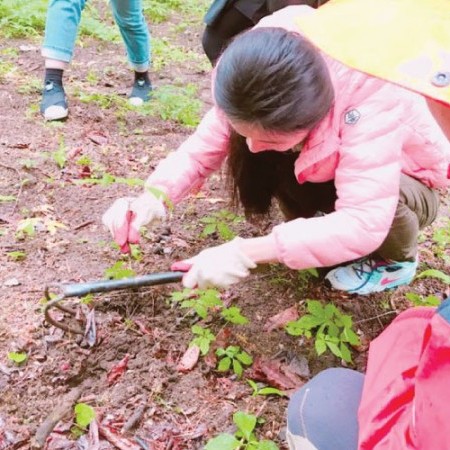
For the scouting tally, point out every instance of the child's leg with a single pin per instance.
(134, 30)
(417, 208)
(63, 18)
(323, 414)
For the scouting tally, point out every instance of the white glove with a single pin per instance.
(219, 266)
(127, 215)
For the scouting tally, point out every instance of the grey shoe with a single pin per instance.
(54, 102)
(141, 92)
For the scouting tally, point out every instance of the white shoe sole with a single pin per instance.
(55, 113)
(136, 101)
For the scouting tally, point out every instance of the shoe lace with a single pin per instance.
(365, 268)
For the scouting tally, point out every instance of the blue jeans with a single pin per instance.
(63, 19)
(323, 414)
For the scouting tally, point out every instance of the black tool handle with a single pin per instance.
(81, 289)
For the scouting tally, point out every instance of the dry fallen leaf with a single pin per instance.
(189, 359)
(117, 370)
(281, 319)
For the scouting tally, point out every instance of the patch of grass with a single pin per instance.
(164, 53)
(32, 85)
(101, 28)
(104, 101)
(27, 19)
(158, 11)
(5, 69)
(179, 104)
(22, 19)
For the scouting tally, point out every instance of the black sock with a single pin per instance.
(142, 76)
(54, 75)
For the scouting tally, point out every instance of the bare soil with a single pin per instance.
(172, 409)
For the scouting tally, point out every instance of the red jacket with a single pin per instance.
(406, 397)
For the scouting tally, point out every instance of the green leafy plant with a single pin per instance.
(177, 103)
(84, 160)
(27, 227)
(243, 439)
(203, 338)
(84, 415)
(7, 198)
(60, 155)
(220, 222)
(264, 390)
(419, 300)
(434, 273)
(17, 357)
(234, 358)
(441, 240)
(201, 301)
(119, 271)
(233, 315)
(16, 255)
(331, 328)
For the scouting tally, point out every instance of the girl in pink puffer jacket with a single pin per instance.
(318, 137)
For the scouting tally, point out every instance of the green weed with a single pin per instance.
(244, 438)
(220, 222)
(17, 357)
(119, 271)
(331, 328)
(7, 198)
(419, 300)
(233, 358)
(17, 255)
(200, 301)
(180, 104)
(233, 315)
(434, 273)
(159, 11)
(264, 390)
(203, 338)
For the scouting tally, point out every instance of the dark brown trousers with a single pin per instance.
(417, 208)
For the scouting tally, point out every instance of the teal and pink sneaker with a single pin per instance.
(369, 275)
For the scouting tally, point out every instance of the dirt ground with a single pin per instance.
(171, 409)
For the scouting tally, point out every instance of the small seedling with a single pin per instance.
(264, 390)
(203, 338)
(84, 415)
(419, 300)
(201, 301)
(434, 273)
(17, 357)
(60, 155)
(27, 227)
(233, 357)
(332, 329)
(118, 271)
(17, 255)
(244, 438)
(87, 299)
(220, 222)
(84, 160)
(7, 198)
(233, 315)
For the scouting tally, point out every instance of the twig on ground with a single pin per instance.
(120, 442)
(388, 313)
(55, 416)
(134, 419)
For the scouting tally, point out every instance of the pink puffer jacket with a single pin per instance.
(374, 132)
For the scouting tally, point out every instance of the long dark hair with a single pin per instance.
(277, 80)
